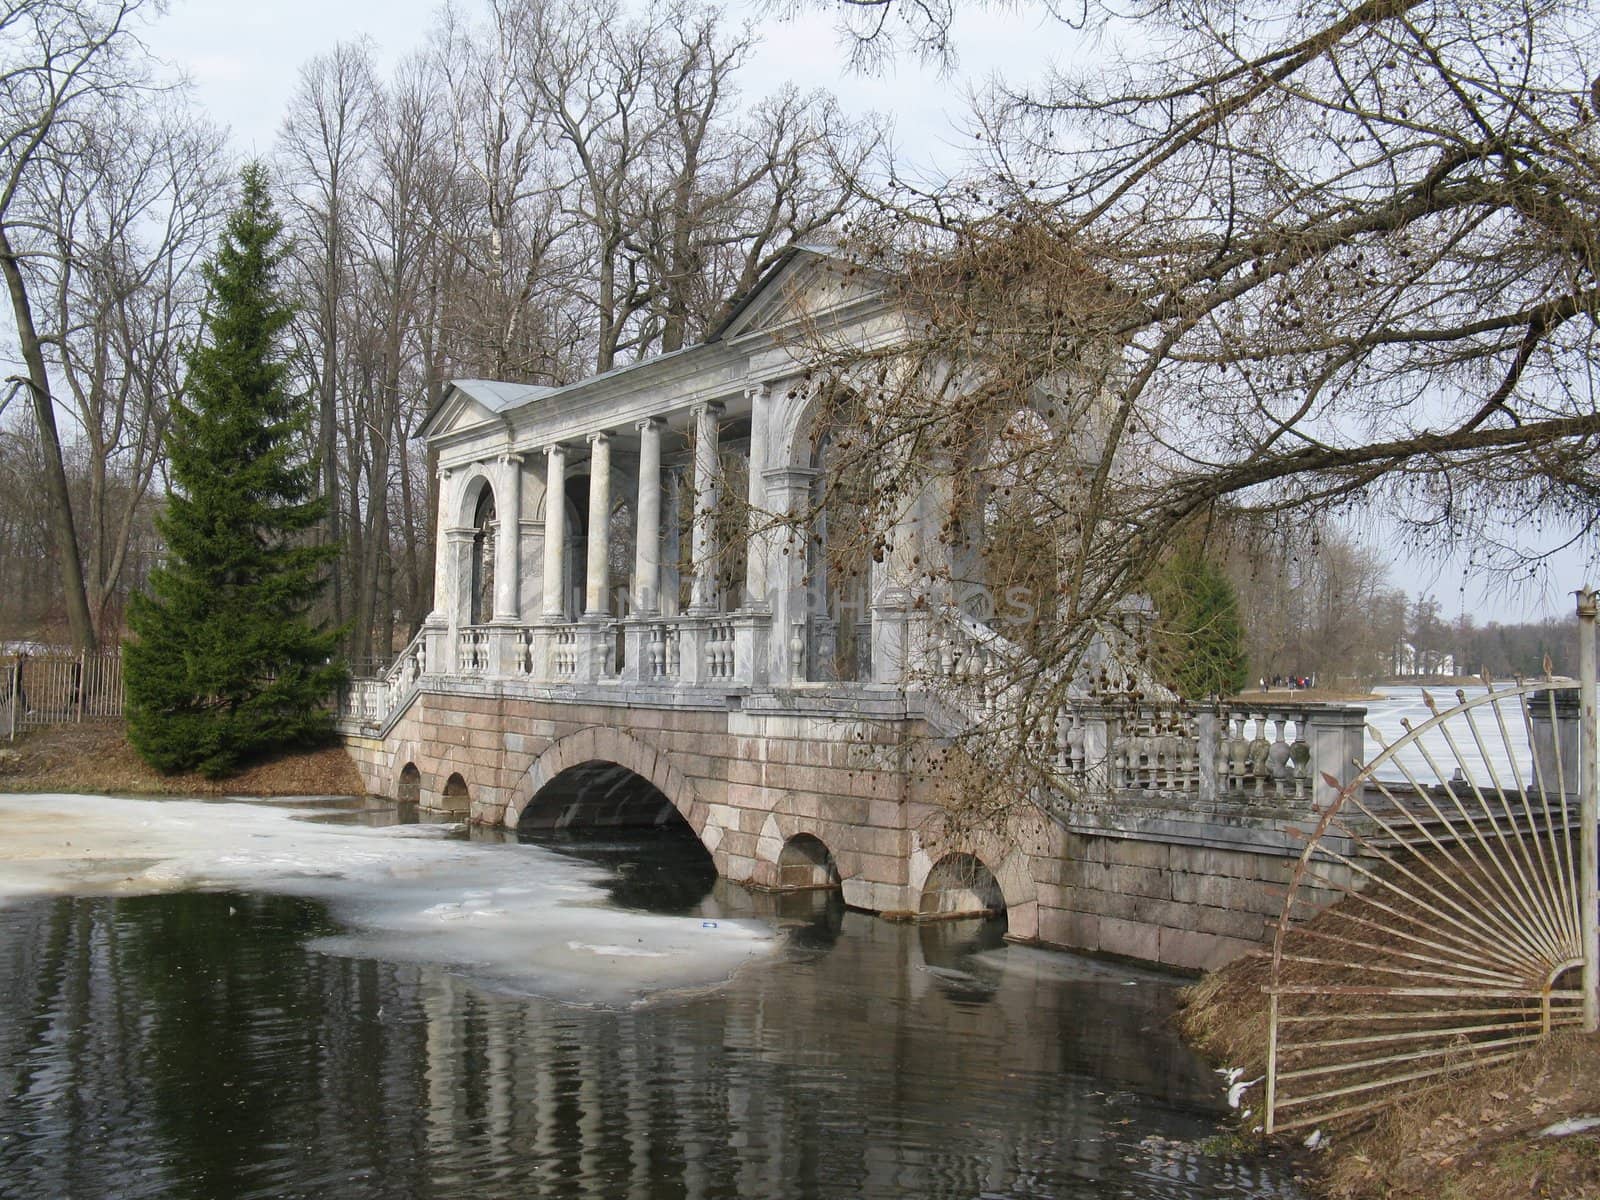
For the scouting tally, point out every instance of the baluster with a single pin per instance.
(1260, 751)
(1278, 758)
(1238, 751)
(1300, 758)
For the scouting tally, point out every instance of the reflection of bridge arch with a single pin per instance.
(603, 758)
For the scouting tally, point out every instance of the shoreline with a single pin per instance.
(95, 757)
(1476, 1136)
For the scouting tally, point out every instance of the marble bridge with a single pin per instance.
(602, 650)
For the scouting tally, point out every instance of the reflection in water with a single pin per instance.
(949, 954)
(190, 1046)
(372, 811)
(662, 869)
(811, 920)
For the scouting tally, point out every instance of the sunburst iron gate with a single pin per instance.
(1466, 930)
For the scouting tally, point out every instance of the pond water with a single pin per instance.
(212, 1001)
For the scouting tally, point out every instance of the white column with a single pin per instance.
(444, 588)
(596, 597)
(508, 542)
(555, 529)
(755, 564)
(647, 522)
(703, 546)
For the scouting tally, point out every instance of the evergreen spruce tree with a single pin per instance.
(225, 663)
(1201, 633)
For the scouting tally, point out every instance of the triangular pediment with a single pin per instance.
(457, 410)
(804, 285)
(472, 402)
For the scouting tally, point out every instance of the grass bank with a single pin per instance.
(1475, 1137)
(97, 758)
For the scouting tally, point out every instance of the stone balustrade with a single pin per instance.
(1261, 756)
(691, 651)
(720, 652)
(1196, 757)
(662, 655)
(1267, 758)
(472, 650)
(1229, 752)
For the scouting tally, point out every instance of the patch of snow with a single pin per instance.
(1570, 1126)
(512, 917)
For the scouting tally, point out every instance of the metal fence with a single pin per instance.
(58, 689)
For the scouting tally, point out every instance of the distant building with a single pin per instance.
(1408, 660)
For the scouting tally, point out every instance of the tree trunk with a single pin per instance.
(61, 524)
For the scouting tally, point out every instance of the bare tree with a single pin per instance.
(500, 209)
(59, 61)
(728, 196)
(592, 90)
(134, 198)
(321, 147)
(1289, 263)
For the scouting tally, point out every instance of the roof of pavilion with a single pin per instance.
(499, 397)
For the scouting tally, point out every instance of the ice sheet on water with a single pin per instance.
(1498, 756)
(514, 917)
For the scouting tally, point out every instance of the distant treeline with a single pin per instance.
(1507, 650)
(1315, 602)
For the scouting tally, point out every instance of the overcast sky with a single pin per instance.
(243, 60)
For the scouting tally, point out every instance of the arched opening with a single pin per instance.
(409, 788)
(483, 554)
(576, 559)
(806, 864)
(604, 813)
(456, 798)
(838, 569)
(1009, 517)
(960, 885)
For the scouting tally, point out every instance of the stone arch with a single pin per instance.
(401, 755)
(790, 419)
(793, 421)
(473, 484)
(837, 619)
(1009, 852)
(806, 863)
(602, 743)
(456, 796)
(437, 767)
(408, 784)
(959, 884)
